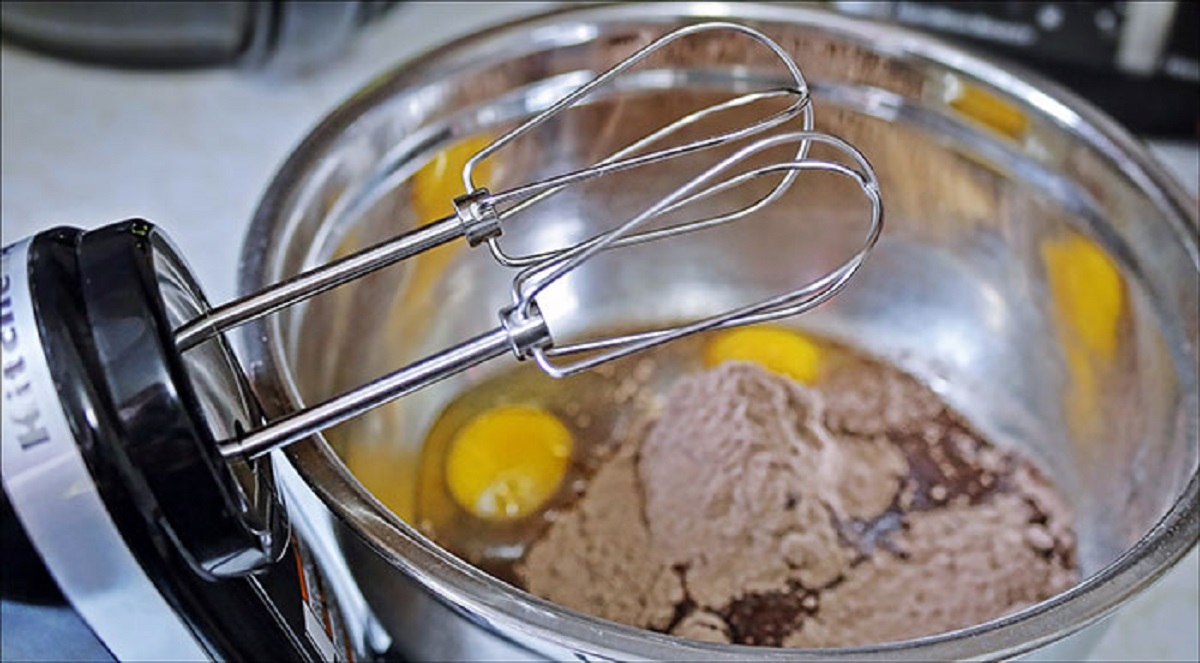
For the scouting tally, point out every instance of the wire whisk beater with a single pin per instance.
(771, 141)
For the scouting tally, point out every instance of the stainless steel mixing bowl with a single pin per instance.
(987, 176)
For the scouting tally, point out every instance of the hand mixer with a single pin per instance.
(116, 374)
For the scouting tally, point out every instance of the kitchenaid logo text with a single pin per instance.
(20, 406)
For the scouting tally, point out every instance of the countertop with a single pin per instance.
(193, 151)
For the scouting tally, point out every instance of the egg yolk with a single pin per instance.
(439, 182)
(1088, 295)
(778, 350)
(1087, 291)
(507, 462)
(990, 110)
(434, 188)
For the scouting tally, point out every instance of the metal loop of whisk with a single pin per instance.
(481, 215)
(800, 105)
(532, 281)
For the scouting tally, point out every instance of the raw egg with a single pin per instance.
(434, 188)
(778, 350)
(507, 462)
(1087, 291)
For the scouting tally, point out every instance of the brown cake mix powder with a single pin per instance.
(755, 510)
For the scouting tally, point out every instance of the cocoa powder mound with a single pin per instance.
(755, 510)
(598, 558)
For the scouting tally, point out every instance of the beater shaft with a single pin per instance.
(373, 394)
(316, 281)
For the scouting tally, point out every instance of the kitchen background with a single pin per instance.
(193, 149)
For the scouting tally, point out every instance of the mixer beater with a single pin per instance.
(481, 215)
(113, 355)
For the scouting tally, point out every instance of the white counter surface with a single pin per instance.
(193, 152)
